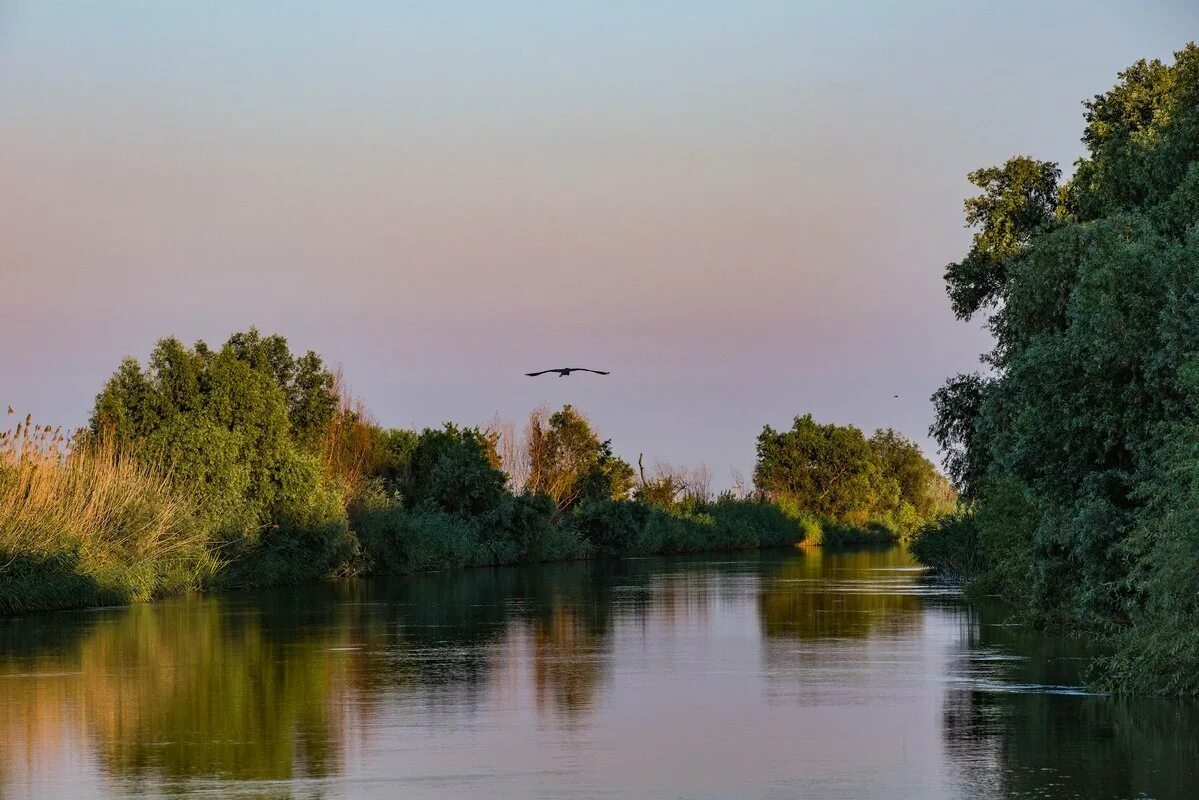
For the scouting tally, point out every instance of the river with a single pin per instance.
(785, 674)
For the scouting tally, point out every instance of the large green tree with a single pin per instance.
(826, 469)
(1092, 292)
(240, 427)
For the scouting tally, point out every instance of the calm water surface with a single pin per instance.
(773, 675)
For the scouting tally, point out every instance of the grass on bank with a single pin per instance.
(91, 524)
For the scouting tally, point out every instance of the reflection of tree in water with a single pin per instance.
(571, 610)
(272, 685)
(832, 595)
(248, 696)
(568, 658)
(194, 688)
(567, 611)
(435, 635)
(1005, 727)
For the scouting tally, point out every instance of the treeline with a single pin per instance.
(248, 465)
(1078, 449)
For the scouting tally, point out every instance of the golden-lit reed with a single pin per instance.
(97, 511)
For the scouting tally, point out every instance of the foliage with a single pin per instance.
(836, 473)
(568, 462)
(451, 469)
(1018, 200)
(612, 527)
(1074, 446)
(241, 428)
(670, 486)
(633, 527)
(951, 547)
(400, 540)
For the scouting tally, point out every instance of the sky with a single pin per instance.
(741, 209)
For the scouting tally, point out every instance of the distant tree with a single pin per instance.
(670, 485)
(922, 493)
(825, 469)
(568, 462)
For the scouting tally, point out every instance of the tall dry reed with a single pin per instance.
(83, 516)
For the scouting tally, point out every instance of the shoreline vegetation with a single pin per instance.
(1076, 450)
(248, 466)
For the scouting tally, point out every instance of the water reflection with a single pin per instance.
(1015, 719)
(813, 674)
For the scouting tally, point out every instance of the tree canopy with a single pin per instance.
(1092, 292)
(568, 462)
(240, 426)
(836, 472)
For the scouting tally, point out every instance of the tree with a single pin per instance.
(240, 426)
(670, 485)
(1018, 200)
(1094, 301)
(825, 469)
(568, 462)
(451, 469)
(921, 489)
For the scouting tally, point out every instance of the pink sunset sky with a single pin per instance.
(741, 209)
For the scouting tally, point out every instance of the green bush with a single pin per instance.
(239, 429)
(451, 470)
(397, 540)
(950, 547)
(610, 527)
(519, 528)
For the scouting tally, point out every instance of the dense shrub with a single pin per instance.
(398, 540)
(519, 528)
(451, 470)
(951, 547)
(611, 527)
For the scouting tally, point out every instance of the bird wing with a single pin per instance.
(584, 369)
(535, 374)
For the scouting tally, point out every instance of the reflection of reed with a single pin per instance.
(186, 690)
(40, 721)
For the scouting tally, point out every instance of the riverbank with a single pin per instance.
(249, 465)
(150, 545)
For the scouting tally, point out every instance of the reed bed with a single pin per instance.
(85, 522)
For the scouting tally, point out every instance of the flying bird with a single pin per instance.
(564, 371)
